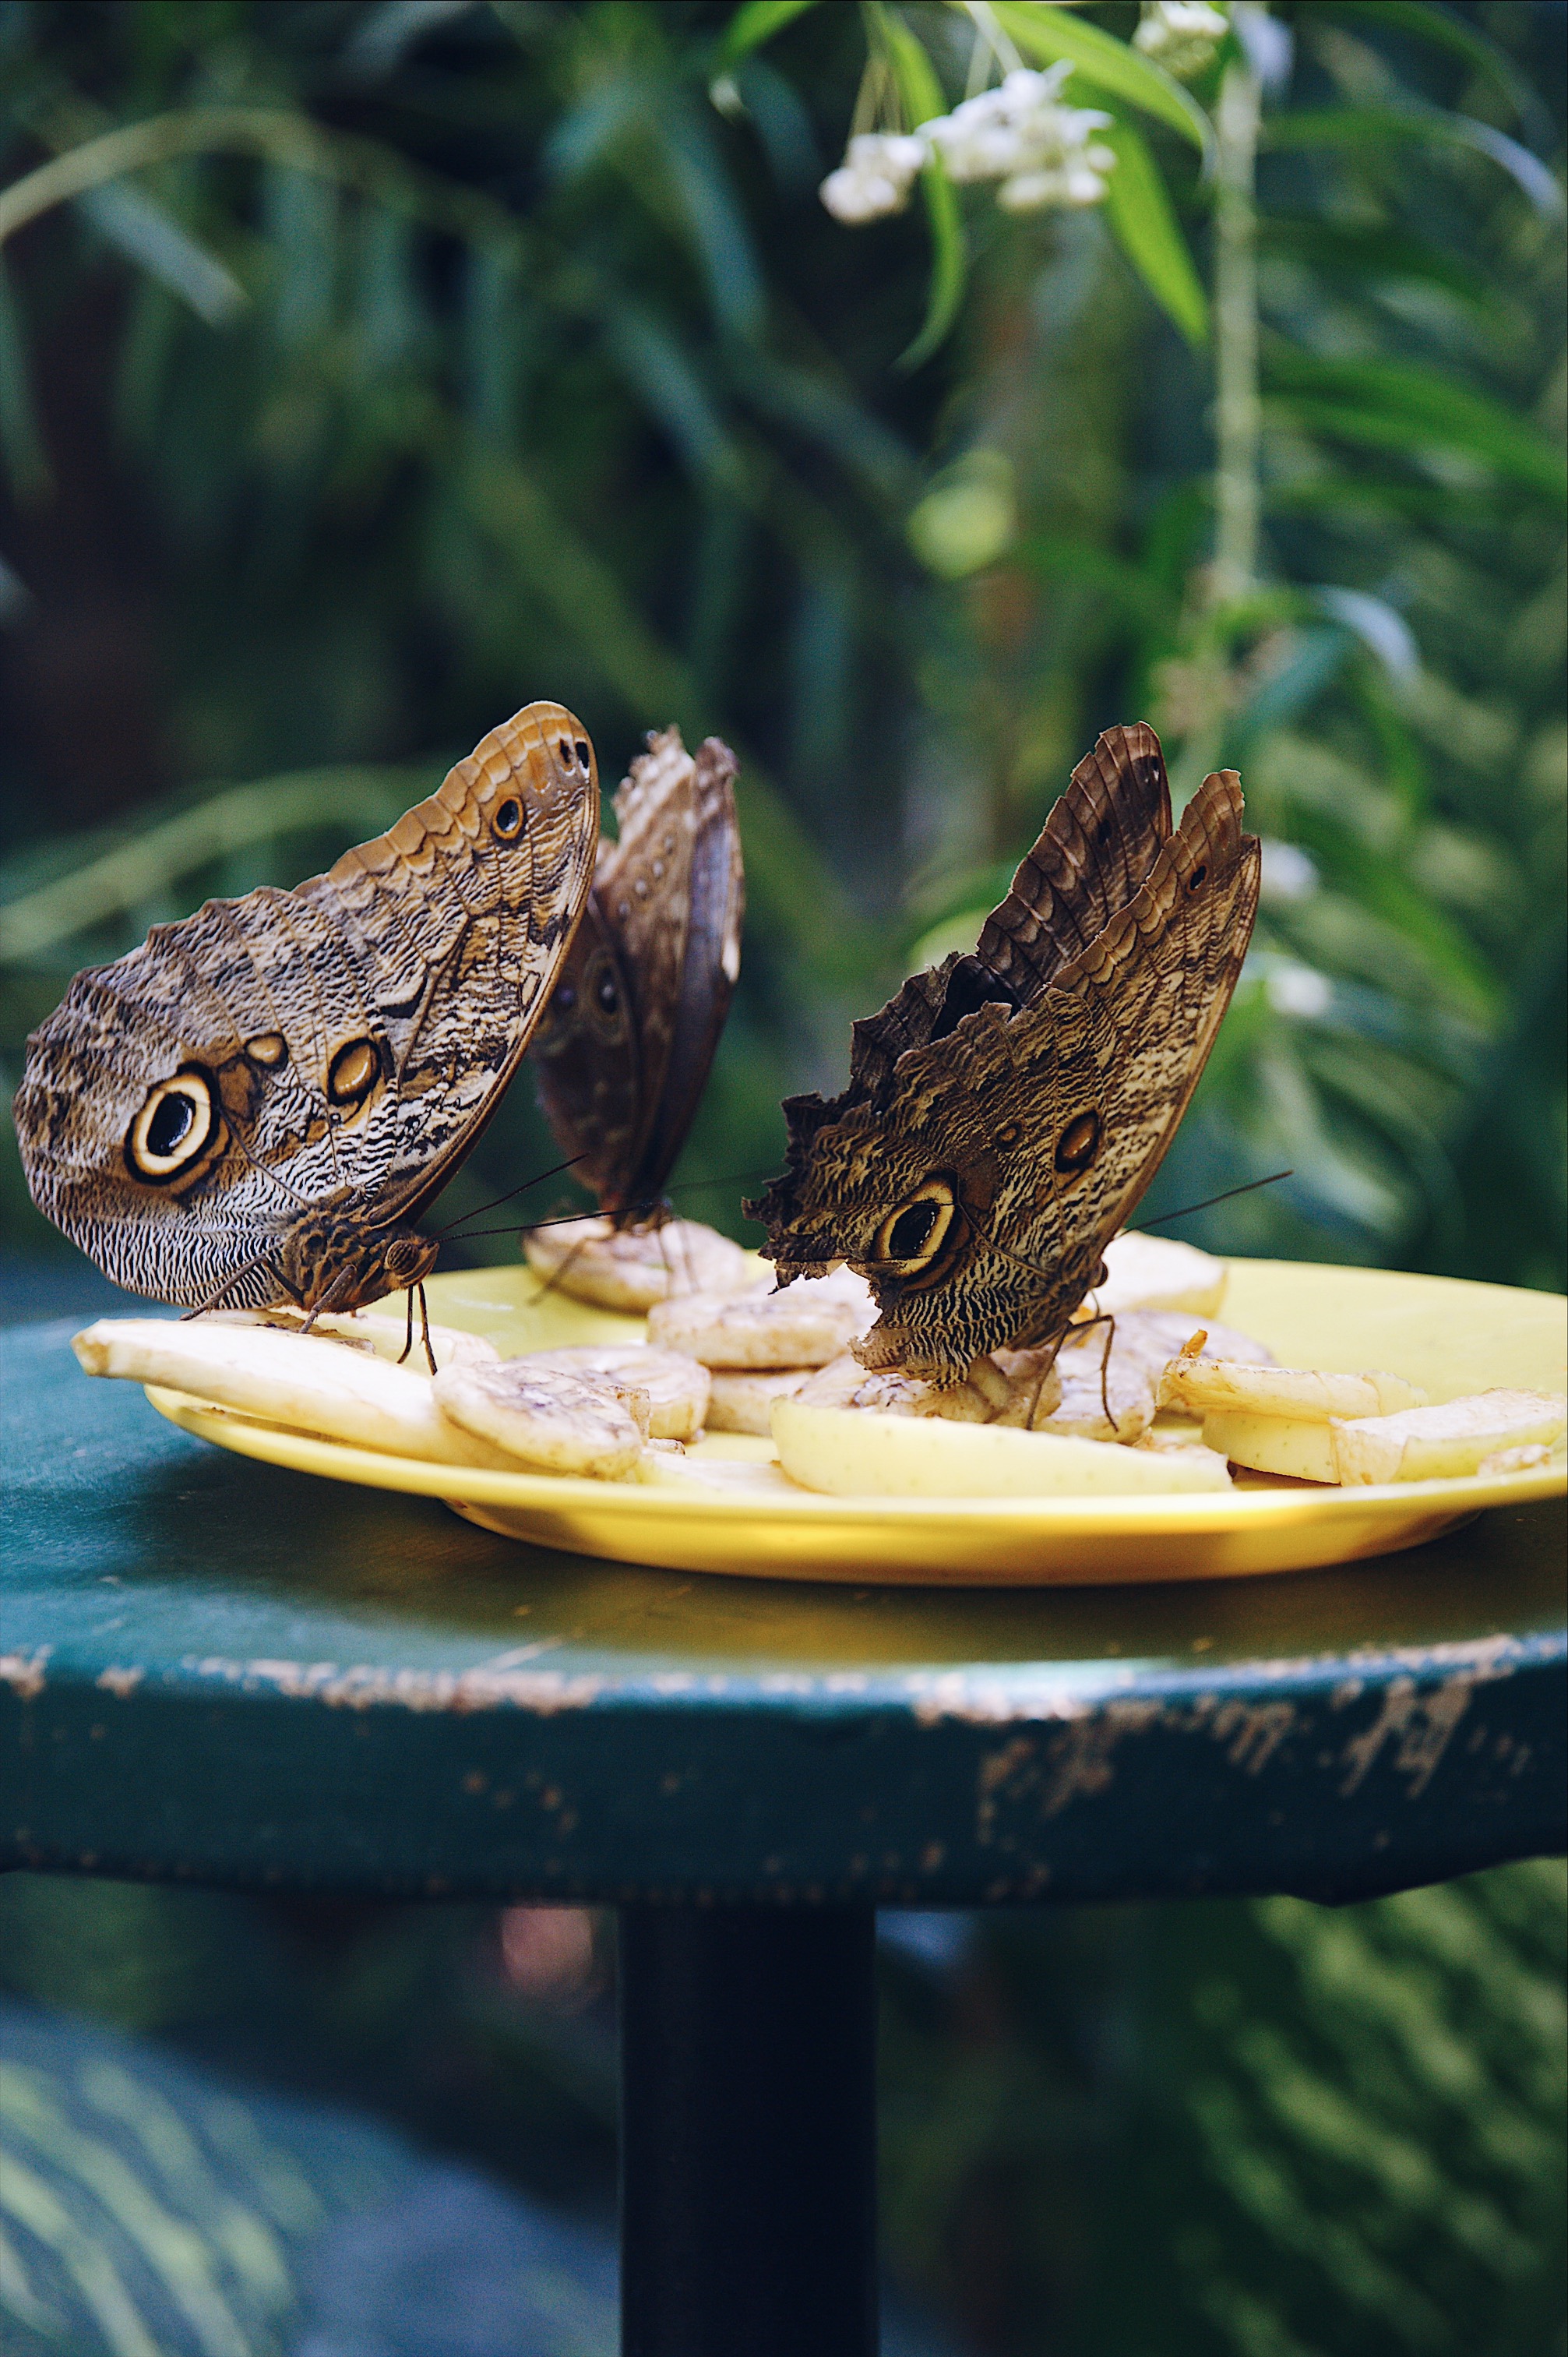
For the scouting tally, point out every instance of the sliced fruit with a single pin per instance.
(310, 1384)
(559, 1421)
(1204, 1386)
(849, 1454)
(1431, 1444)
(1145, 1272)
(632, 1268)
(677, 1386)
(1299, 1446)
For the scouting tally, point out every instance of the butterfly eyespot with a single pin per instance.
(268, 1048)
(173, 1127)
(568, 760)
(1199, 877)
(565, 998)
(911, 1237)
(1008, 1133)
(583, 757)
(606, 996)
(352, 1070)
(507, 822)
(1078, 1143)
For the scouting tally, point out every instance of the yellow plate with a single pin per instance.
(1449, 1336)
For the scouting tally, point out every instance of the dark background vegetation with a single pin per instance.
(426, 358)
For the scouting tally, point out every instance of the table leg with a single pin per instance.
(748, 2131)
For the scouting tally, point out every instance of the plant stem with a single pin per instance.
(1236, 409)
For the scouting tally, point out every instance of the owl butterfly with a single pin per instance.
(254, 1106)
(1007, 1109)
(625, 1045)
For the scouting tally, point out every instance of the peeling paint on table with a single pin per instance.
(217, 1670)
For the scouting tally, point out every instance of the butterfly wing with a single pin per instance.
(1095, 849)
(976, 1188)
(622, 1063)
(587, 1056)
(343, 1042)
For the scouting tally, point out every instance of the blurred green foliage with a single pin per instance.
(367, 367)
(1216, 2129)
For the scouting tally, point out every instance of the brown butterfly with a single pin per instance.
(254, 1106)
(624, 1050)
(1007, 1109)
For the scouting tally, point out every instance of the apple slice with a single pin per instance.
(852, 1454)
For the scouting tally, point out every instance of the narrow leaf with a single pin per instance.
(1445, 29)
(1143, 222)
(923, 98)
(1374, 126)
(1049, 33)
(147, 233)
(752, 24)
(1390, 404)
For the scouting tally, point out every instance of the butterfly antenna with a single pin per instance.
(1164, 1218)
(479, 1210)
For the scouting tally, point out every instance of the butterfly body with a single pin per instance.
(624, 1050)
(1007, 1109)
(255, 1106)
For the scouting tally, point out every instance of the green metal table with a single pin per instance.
(215, 1671)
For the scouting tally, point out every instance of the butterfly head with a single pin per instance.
(334, 1256)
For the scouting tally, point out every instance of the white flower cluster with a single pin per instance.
(1181, 35)
(875, 176)
(1021, 135)
(1042, 152)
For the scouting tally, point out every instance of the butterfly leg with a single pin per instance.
(408, 1331)
(556, 1276)
(1105, 1372)
(424, 1327)
(341, 1287)
(227, 1288)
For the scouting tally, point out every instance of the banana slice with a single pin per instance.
(1153, 1337)
(1144, 1272)
(381, 1337)
(742, 1402)
(1091, 1379)
(632, 1269)
(850, 1453)
(1009, 1387)
(1204, 1386)
(677, 1386)
(554, 1420)
(721, 1477)
(306, 1382)
(1428, 1444)
(805, 1325)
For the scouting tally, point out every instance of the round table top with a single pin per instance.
(217, 1670)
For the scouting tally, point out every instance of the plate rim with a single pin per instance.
(1194, 1511)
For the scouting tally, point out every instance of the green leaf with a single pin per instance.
(923, 97)
(1354, 252)
(1142, 219)
(148, 234)
(752, 24)
(1374, 126)
(1445, 31)
(1049, 33)
(1390, 404)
